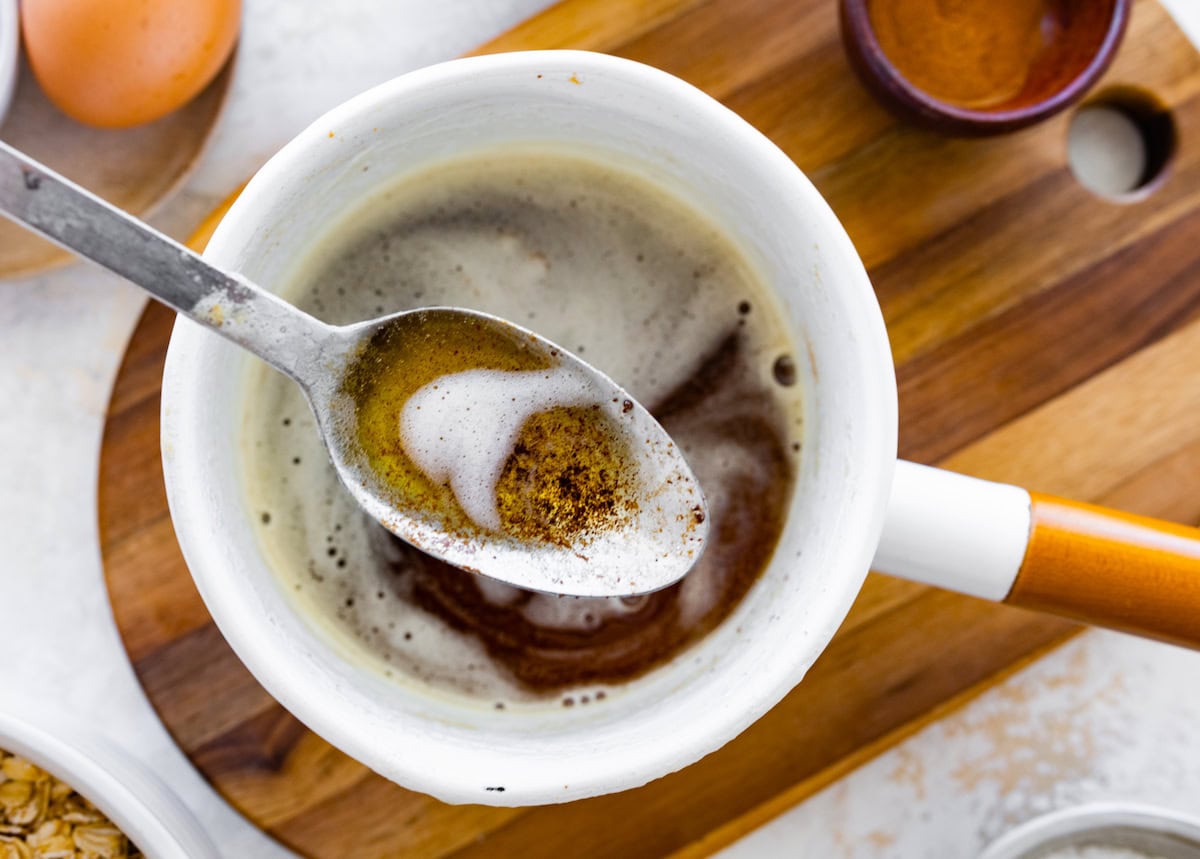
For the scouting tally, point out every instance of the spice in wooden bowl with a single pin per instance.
(973, 67)
(972, 54)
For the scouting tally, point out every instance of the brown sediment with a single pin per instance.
(717, 409)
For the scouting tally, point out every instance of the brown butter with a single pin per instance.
(570, 473)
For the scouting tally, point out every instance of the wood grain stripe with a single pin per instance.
(986, 264)
(274, 748)
(202, 684)
(586, 25)
(694, 46)
(805, 106)
(380, 819)
(1014, 361)
(159, 602)
(1104, 431)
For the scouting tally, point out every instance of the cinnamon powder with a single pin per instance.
(970, 53)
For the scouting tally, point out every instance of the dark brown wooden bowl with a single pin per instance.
(1090, 32)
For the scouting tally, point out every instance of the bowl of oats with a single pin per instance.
(82, 799)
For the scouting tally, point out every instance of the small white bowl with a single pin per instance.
(1139, 828)
(132, 797)
(10, 44)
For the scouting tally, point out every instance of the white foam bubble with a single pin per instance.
(461, 428)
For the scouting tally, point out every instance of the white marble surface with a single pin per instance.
(1108, 716)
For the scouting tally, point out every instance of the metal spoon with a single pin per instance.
(649, 550)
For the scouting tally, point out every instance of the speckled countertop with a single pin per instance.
(1105, 717)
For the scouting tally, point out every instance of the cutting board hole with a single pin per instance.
(1120, 144)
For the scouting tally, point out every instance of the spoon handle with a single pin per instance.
(41, 200)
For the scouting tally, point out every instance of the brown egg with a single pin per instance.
(117, 63)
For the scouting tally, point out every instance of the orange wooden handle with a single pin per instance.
(1112, 569)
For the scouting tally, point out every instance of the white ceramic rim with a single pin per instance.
(1097, 816)
(436, 764)
(10, 48)
(138, 803)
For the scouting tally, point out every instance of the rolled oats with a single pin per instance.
(42, 817)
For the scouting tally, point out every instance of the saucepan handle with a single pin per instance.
(1003, 543)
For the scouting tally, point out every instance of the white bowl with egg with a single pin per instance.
(10, 48)
(128, 794)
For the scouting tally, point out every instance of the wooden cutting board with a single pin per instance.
(1042, 335)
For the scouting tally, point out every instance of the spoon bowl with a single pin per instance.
(647, 542)
(642, 550)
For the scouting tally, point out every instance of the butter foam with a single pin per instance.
(461, 428)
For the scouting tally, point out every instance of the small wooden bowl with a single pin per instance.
(1090, 33)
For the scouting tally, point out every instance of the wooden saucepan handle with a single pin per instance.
(1112, 569)
(1006, 544)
